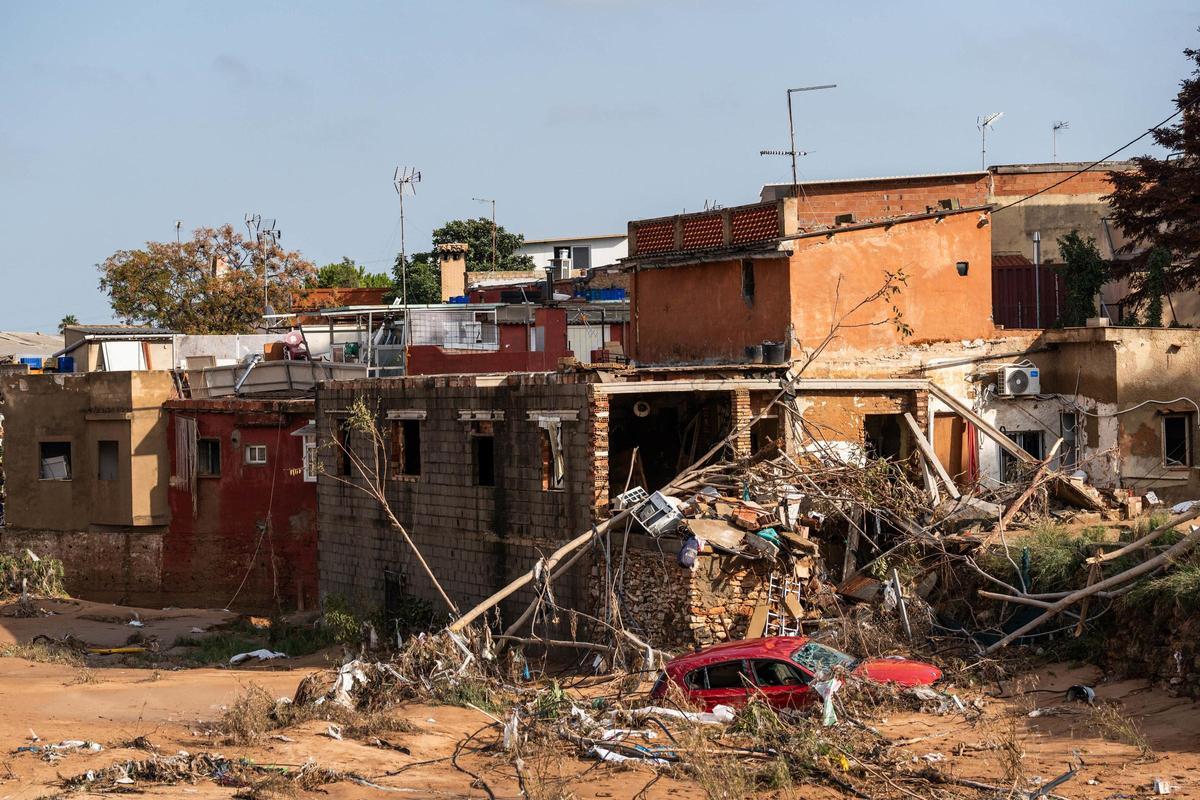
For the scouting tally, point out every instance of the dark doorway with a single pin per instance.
(883, 436)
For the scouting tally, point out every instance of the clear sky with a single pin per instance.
(118, 118)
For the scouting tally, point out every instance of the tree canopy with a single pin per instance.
(1157, 204)
(69, 319)
(424, 279)
(346, 274)
(1084, 271)
(477, 235)
(212, 283)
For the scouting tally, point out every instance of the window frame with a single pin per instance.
(1069, 457)
(249, 449)
(403, 452)
(70, 459)
(308, 458)
(208, 441)
(1188, 460)
(480, 430)
(748, 281)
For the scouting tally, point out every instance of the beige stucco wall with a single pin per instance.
(85, 409)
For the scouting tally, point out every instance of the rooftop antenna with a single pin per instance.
(405, 179)
(792, 140)
(983, 123)
(178, 225)
(493, 202)
(261, 231)
(1061, 125)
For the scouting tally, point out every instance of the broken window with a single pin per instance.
(748, 281)
(483, 453)
(345, 464)
(554, 467)
(55, 460)
(1177, 440)
(208, 457)
(256, 454)
(405, 450)
(107, 459)
(1068, 422)
(1030, 442)
(728, 675)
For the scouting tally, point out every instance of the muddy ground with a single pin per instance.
(174, 709)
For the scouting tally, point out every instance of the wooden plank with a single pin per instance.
(930, 456)
(758, 621)
(1006, 444)
(1034, 483)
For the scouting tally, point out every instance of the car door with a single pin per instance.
(782, 683)
(724, 683)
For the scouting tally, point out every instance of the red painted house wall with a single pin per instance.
(514, 354)
(208, 552)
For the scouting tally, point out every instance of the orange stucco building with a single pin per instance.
(712, 288)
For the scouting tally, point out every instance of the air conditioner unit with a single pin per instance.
(1016, 381)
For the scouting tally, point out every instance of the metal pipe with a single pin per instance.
(1037, 276)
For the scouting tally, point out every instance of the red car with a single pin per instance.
(781, 668)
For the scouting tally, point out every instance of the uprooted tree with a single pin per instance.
(210, 284)
(1157, 204)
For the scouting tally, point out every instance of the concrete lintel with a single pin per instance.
(802, 385)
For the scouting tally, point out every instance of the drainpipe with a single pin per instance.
(1037, 277)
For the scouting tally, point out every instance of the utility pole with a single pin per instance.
(493, 202)
(1054, 129)
(261, 230)
(178, 225)
(1037, 278)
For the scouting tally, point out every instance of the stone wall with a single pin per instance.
(105, 566)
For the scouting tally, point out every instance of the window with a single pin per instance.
(256, 454)
(311, 464)
(768, 672)
(554, 466)
(819, 659)
(107, 454)
(345, 465)
(581, 258)
(1068, 423)
(55, 461)
(1177, 440)
(1030, 442)
(405, 451)
(748, 281)
(483, 453)
(729, 675)
(208, 457)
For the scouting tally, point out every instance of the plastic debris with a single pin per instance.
(1082, 694)
(334, 731)
(720, 715)
(1161, 786)
(827, 689)
(261, 655)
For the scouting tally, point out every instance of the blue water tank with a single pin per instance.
(66, 363)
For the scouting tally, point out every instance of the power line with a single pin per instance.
(1129, 144)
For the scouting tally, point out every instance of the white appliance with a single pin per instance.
(1018, 381)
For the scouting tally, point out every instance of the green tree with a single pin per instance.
(212, 283)
(1155, 285)
(346, 274)
(424, 280)
(477, 235)
(1084, 271)
(1157, 204)
(69, 319)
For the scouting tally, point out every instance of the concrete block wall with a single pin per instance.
(475, 538)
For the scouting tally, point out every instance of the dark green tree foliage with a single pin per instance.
(1158, 203)
(424, 280)
(477, 235)
(69, 319)
(1156, 271)
(345, 274)
(1084, 272)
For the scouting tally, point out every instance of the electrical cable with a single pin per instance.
(1100, 160)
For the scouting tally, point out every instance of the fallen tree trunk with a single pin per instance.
(1034, 483)
(1179, 548)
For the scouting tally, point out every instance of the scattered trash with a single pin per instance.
(334, 731)
(261, 655)
(1082, 694)
(1161, 786)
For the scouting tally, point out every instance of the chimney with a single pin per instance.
(452, 258)
(549, 300)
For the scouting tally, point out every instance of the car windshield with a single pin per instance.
(819, 659)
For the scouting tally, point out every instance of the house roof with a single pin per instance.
(119, 330)
(20, 343)
(1010, 260)
(576, 238)
(913, 177)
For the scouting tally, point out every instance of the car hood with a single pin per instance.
(902, 671)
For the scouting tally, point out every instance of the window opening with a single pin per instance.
(107, 459)
(1177, 440)
(405, 451)
(483, 453)
(208, 457)
(55, 461)
(748, 281)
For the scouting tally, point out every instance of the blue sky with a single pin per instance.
(118, 118)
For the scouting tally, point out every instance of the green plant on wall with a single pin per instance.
(1156, 286)
(1084, 271)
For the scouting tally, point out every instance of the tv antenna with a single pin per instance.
(793, 152)
(493, 202)
(983, 123)
(405, 179)
(261, 231)
(1061, 125)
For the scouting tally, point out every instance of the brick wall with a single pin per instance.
(105, 566)
(475, 538)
